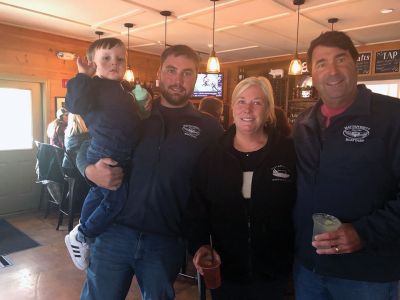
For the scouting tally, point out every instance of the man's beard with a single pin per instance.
(173, 99)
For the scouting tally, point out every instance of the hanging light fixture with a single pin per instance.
(213, 62)
(129, 76)
(166, 14)
(99, 33)
(295, 64)
(332, 21)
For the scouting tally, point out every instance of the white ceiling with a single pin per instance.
(245, 29)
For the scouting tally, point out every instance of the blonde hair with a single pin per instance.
(267, 91)
(75, 126)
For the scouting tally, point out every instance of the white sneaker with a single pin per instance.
(78, 251)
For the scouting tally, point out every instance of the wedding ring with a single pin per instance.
(337, 249)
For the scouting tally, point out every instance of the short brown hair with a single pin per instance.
(181, 50)
(332, 39)
(106, 43)
(211, 105)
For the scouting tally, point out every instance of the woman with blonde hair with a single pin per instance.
(242, 196)
(75, 134)
(56, 128)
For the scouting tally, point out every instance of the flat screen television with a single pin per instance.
(209, 84)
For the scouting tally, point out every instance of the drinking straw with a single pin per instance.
(212, 250)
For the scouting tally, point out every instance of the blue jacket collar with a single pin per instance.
(360, 107)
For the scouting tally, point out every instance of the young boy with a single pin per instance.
(110, 112)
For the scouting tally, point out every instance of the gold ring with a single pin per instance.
(337, 249)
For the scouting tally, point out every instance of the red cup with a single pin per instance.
(211, 272)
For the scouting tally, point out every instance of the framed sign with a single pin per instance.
(363, 63)
(60, 102)
(387, 61)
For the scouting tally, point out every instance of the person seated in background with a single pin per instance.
(282, 122)
(56, 128)
(212, 106)
(243, 193)
(75, 133)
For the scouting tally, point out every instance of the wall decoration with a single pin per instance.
(60, 102)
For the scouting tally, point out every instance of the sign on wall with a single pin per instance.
(387, 61)
(363, 63)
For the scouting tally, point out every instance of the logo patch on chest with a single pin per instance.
(356, 133)
(280, 173)
(191, 130)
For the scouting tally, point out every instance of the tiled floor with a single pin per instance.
(47, 273)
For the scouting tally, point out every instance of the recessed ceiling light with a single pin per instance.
(386, 10)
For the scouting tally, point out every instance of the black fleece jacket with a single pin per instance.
(253, 237)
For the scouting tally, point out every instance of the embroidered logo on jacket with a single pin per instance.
(280, 173)
(356, 133)
(191, 130)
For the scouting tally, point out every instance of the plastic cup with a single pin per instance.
(211, 272)
(324, 223)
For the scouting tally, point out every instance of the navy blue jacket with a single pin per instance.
(352, 171)
(254, 237)
(162, 167)
(107, 108)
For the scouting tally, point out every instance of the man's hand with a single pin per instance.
(343, 240)
(88, 68)
(105, 174)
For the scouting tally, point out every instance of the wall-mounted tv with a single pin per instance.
(208, 84)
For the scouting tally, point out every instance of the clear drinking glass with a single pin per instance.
(324, 223)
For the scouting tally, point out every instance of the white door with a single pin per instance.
(20, 125)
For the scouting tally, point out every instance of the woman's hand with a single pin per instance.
(204, 250)
(105, 174)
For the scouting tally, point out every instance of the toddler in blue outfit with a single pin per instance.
(108, 108)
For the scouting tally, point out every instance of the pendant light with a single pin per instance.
(332, 21)
(129, 76)
(295, 65)
(166, 14)
(213, 62)
(99, 33)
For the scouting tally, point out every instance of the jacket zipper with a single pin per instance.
(248, 212)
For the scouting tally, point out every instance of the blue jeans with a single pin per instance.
(309, 285)
(100, 208)
(101, 205)
(120, 253)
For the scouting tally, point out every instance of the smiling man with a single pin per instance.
(348, 148)
(145, 239)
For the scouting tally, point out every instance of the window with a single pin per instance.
(15, 119)
(385, 87)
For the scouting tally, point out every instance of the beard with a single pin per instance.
(175, 99)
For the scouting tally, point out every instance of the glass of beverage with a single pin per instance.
(324, 223)
(211, 272)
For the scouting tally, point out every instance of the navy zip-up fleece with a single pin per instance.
(162, 167)
(107, 108)
(352, 170)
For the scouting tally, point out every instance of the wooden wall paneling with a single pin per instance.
(31, 56)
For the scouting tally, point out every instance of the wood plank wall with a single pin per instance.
(31, 56)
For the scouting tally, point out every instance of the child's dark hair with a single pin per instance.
(332, 39)
(181, 50)
(106, 43)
